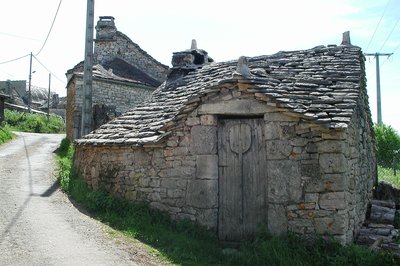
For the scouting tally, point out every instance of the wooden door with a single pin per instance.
(242, 178)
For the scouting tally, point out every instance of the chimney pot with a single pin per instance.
(346, 38)
(105, 28)
(194, 45)
(242, 68)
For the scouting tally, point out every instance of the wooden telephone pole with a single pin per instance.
(30, 84)
(378, 84)
(87, 112)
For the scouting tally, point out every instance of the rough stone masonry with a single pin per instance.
(307, 110)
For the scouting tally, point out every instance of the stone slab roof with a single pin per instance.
(99, 71)
(142, 51)
(4, 96)
(321, 84)
(122, 69)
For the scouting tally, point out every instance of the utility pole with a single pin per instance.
(29, 85)
(87, 112)
(48, 98)
(378, 84)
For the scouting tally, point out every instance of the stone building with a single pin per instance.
(123, 76)
(283, 142)
(3, 98)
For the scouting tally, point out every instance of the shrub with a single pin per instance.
(388, 146)
(65, 155)
(5, 134)
(36, 123)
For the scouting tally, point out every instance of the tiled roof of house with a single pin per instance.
(321, 84)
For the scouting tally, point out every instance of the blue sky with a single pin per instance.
(226, 29)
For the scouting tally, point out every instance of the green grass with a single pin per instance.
(5, 134)
(185, 243)
(36, 123)
(386, 174)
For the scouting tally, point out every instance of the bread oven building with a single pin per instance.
(282, 142)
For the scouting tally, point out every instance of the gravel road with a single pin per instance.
(38, 223)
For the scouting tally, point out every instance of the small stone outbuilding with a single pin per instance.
(282, 142)
(123, 76)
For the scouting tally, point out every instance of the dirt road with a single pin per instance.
(38, 224)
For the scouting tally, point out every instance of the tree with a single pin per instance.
(388, 146)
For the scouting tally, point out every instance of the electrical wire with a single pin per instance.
(18, 36)
(62, 81)
(387, 59)
(377, 26)
(390, 34)
(51, 27)
(15, 59)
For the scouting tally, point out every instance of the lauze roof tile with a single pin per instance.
(320, 84)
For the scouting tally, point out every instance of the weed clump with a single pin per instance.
(35, 123)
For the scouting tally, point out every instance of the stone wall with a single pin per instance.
(362, 174)
(121, 96)
(123, 48)
(318, 178)
(70, 110)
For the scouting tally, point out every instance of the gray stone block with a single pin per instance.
(208, 120)
(332, 163)
(330, 225)
(284, 182)
(204, 140)
(141, 158)
(277, 219)
(234, 107)
(272, 131)
(330, 146)
(310, 170)
(326, 182)
(202, 193)
(207, 166)
(278, 117)
(333, 201)
(278, 149)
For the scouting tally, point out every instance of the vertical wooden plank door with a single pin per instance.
(242, 178)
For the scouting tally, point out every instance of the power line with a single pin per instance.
(395, 49)
(15, 59)
(51, 27)
(390, 34)
(377, 26)
(18, 36)
(63, 81)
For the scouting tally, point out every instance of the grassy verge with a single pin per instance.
(184, 243)
(5, 134)
(37, 123)
(386, 174)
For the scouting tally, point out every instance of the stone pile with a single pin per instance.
(378, 231)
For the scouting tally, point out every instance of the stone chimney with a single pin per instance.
(346, 38)
(105, 29)
(55, 100)
(187, 61)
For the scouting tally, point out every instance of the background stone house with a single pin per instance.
(282, 142)
(3, 97)
(123, 76)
